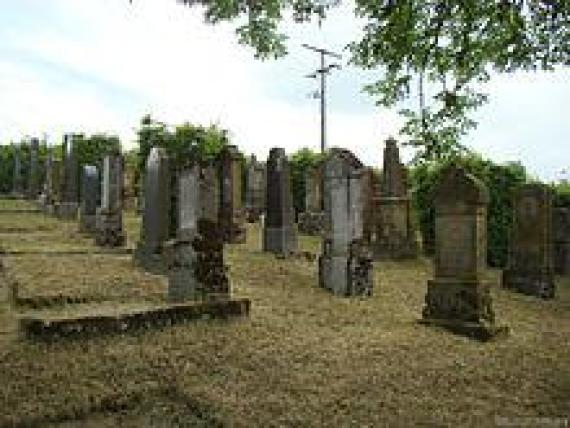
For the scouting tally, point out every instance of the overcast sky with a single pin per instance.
(100, 65)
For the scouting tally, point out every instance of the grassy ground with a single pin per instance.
(303, 358)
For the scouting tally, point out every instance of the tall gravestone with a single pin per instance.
(34, 170)
(154, 230)
(394, 233)
(561, 225)
(254, 189)
(210, 191)
(17, 180)
(194, 258)
(231, 213)
(46, 197)
(345, 265)
(279, 234)
(110, 215)
(56, 179)
(89, 195)
(69, 205)
(530, 267)
(312, 219)
(458, 298)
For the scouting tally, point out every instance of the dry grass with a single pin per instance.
(304, 358)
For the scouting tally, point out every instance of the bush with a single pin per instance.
(299, 162)
(500, 179)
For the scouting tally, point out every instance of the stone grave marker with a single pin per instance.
(231, 213)
(89, 195)
(561, 225)
(110, 215)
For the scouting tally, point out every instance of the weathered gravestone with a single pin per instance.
(34, 170)
(254, 189)
(312, 219)
(458, 298)
(394, 234)
(279, 234)
(561, 225)
(210, 191)
(17, 180)
(56, 179)
(89, 196)
(69, 205)
(155, 225)
(194, 259)
(46, 197)
(231, 213)
(345, 265)
(530, 267)
(110, 214)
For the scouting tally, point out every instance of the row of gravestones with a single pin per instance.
(96, 199)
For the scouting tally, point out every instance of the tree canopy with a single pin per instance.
(437, 52)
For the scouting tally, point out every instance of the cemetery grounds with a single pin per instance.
(302, 358)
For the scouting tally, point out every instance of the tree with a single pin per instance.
(437, 52)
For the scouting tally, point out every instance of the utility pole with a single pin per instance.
(323, 71)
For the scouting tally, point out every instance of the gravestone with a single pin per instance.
(561, 225)
(194, 258)
(394, 232)
(231, 213)
(279, 234)
(56, 179)
(34, 170)
(17, 180)
(46, 198)
(312, 219)
(68, 207)
(345, 265)
(458, 298)
(530, 267)
(89, 195)
(154, 230)
(210, 193)
(110, 214)
(254, 189)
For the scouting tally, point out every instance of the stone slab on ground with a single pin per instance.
(46, 327)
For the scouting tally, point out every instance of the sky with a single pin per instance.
(100, 65)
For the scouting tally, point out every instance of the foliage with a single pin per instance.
(91, 150)
(562, 194)
(299, 162)
(500, 179)
(449, 47)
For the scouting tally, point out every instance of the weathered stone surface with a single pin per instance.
(34, 170)
(458, 298)
(47, 195)
(530, 267)
(69, 205)
(154, 230)
(279, 234)
(110, 215)
(210, 193)
(393, 236)
(254, 189)
(231, 213)
(561, 226)
(18, 180)
(312, 220)
(89, 196)
(345, 265)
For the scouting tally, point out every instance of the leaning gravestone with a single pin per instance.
(34, 173)
(17, 180)
(110, 214)
(279, 234)
(68, 207)
(312, 219)
(194, 258)
(89, 196)
(561, 225)
(345, 265)
(530, 267)
(254, 189)
(395, 236)
(155, 225)
(458, 298)
(231, 213)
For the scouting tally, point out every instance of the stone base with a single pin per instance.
(87, 223)
(67, 210)
(150, 260)
(281, 240)
(158, 317)
(311, 223)
(110, 229)
(539, 284)
(347, 275)
(478, 331)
